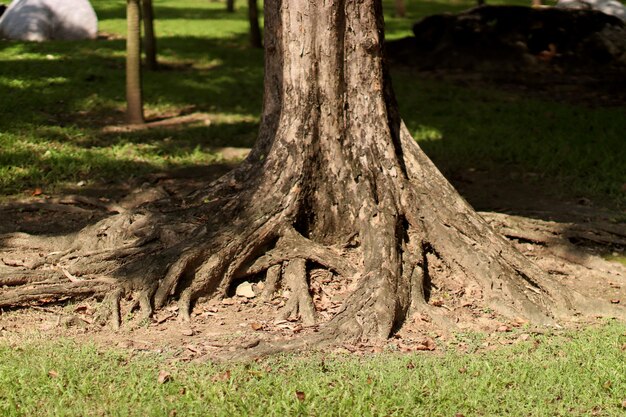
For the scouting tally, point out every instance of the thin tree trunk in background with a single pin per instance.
(134, 102)
(537, 3)
(230, 6)
(400, 8)
(149, 36)
(256, 38)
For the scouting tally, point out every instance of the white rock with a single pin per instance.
(245, 290)
(41, 20)
(612, 7)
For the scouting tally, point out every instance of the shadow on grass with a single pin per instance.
(179, 13)
(57, 158)
(572, 149)
(64, 78)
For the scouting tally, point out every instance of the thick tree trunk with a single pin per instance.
(335, 181)
(256, 39)
(149, 35)
(230, 6)
(134, 102)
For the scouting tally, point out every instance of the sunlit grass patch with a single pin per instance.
(572, 373)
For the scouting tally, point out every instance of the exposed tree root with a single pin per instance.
(545, 232)
(55, 292)
(414, 271)
(300, 302)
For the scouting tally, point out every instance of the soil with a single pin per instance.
(219, 329)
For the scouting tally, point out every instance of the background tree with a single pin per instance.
(134, 101)
(150, 47)
(230, 6)
(400, 8)
(256, 39)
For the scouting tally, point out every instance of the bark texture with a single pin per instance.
(134, 101)
(336, 183)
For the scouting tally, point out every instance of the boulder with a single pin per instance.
(42, 20)
(612, 7)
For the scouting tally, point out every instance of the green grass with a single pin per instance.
(61, 94)
(576, 373)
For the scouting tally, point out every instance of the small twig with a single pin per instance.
(47, 310)
(70, 276)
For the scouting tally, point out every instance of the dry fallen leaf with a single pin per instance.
(53, 374)
(164, 377)
(224, 376)
(427, 344)
(256, 326)
(519, 322)
(37, 191)
(547, 54)
(615, 301)
(300, 396)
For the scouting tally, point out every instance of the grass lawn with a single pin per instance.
(563, 374)
(57, 97)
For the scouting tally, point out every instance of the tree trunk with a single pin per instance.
(334, 182)
(230, 6)
(256, 39)
(149, 36)
(134, 102)
(400, 8)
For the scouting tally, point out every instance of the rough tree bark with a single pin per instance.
(149, 35)
(134, 102)
(256, 39)
(335, 181)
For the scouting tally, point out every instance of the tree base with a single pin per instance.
(317, 291)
